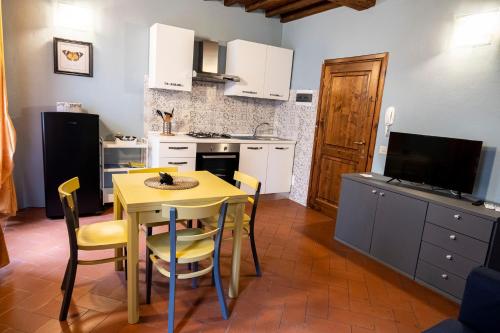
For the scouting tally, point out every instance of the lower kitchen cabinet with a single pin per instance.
(182, 163)
(279, 168)
(253, 161)
(397, 232)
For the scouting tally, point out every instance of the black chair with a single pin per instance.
(480, 309)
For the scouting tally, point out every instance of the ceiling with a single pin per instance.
(290, 10)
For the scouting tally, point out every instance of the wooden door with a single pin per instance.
(346, 127)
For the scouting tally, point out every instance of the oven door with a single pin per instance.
(222, 165)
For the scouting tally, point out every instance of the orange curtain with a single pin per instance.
(8, 203)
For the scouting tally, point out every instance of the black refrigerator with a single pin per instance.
(71, 149)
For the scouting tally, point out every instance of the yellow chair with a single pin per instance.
(248, 221)
(188, 246)
(96, 236)
(149, 226)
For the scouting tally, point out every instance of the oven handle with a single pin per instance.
(218, 156)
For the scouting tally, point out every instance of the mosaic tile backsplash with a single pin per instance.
(207, 109)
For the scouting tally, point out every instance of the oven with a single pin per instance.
(221, 159)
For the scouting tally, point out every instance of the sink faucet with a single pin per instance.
(258, 126)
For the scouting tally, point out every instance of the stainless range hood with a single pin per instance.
(209, 63)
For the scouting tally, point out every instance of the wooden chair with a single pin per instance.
(188, 246)
(248, 221)
(96, 236)
(149, 226)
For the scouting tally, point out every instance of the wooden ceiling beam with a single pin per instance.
(229, 3)
(357, 4)
(315, 9)
(293, 6)
(263, 4)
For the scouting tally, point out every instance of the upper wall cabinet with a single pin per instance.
(170, 57)
(264, 70)
(248, 61)
(278, 73)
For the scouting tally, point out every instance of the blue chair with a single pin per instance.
(480, 309)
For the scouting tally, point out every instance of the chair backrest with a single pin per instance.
(480, 309)
(154, 170)
(254, 184)
(178, 212)
(67, 194)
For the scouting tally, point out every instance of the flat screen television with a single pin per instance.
(447, 163)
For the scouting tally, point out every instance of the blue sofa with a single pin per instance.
(480, 309)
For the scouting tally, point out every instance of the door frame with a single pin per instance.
(384, 58)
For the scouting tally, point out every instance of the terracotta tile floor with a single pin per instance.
(310, 284)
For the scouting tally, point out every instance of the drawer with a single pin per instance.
(182, 163)
(466, 224)
(455, 242)
(170, 149)
(447, 260)
(441, 279)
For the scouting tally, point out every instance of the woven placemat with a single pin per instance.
(180, 183)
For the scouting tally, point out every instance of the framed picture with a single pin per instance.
(73, 57)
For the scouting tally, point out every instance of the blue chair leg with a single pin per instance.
(218, 287)
(194, 281)
(254, 254)
(171, 301)
(68, 289)
(149, 269)
(63, 283)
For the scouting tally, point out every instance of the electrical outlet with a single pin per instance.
(382, 150)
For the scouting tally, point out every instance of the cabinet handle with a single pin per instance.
(254, 148)
(359, 143)
(453, 237)
(381, 194)
(281, 148)
(449, 256)
(374, 191)
(276, 95)
(249, 92)
(178, 148)
(457, 217)
(444, 276)
(173, 84)
(177, 163)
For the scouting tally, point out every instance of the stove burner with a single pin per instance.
(209, 135)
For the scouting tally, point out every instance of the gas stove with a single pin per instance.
(209, 135)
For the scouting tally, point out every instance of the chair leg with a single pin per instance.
(63, 283)
(68, 291)
(149, 269)
(171, 300)
(254, 254)
(125, 263)
(194, 281)
(218, 287)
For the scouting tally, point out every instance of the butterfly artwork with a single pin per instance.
(73, 57)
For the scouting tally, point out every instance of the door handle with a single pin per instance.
(254, 148)
(281, 148)
(177, 163)
(178, 148)
(359, 143)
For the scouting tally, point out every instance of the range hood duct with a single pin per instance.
(210, 62)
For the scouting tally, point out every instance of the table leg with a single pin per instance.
(235, 266)
(117, 215)
(133, 267)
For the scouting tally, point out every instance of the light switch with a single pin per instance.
(382, 150)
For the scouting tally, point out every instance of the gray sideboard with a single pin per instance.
(432, 238)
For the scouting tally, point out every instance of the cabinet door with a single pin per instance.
(279, 168)
(170, 57)
(278, 73)
(253, 161)
(248, 61)
(356, 214)
(397, 233)
(182, 163)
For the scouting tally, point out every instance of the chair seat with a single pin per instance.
(186, 251)
(229, 224)
(102, 235)
(450, 326)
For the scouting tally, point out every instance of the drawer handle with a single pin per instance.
(381, 194)
(276, 95)
(444, 276)
(281, 148)
(457, 217)
(453, 237)
(449, 257)
(178, 148)
(374, 191)
(249, 92)
(177, 163)
(254, 148)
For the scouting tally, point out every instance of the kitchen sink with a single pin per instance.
(263, 138)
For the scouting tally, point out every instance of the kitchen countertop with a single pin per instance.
(186, 138)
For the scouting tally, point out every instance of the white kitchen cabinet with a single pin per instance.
(182, 163)
(253, 162)
(248, 61)
(278, 73)
(279, 168)
(170, 57)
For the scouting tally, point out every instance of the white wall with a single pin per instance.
(120, 36)
(436, 89)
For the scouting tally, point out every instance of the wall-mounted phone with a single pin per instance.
(389, 119)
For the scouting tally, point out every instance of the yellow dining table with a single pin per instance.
(142, 204)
